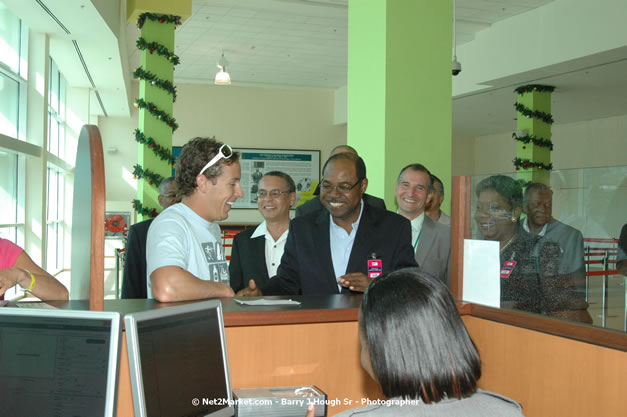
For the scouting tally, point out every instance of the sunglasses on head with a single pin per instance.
(225, 152)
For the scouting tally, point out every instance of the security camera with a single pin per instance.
(456, 66)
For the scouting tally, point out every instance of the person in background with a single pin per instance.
(257, 251)
(431, 241)
(538, 204)
(17, 268)
(184, 254)
(327, 251)
(134, 277)
(314, 205)
(433, 206)
(530, 278)
(416, 347)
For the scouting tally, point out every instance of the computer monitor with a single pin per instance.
(58, 362)
(178, 361)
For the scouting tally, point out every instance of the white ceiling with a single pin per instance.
(303, 43)
(299, 43)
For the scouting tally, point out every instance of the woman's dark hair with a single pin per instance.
(418, 344)
(508, 188)
(194, 155)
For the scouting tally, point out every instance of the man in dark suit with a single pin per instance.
(257, 251)
(327, 252)
(314, 205)
(134, 277)
(431, 240)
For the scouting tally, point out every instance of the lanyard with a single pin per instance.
(417, 239)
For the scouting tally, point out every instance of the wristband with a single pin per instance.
(32, 282)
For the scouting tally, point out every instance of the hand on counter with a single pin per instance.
(355, 281)
(311, 412)
(251, 291)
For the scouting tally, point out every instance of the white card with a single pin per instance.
(482, 282)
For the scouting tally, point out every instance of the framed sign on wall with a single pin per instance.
(302, 165)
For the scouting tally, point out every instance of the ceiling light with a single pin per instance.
(222, 76)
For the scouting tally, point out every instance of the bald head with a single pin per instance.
(343, 149)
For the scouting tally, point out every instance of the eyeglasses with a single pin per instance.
(272, 194)
(221, 154)
(342, 188)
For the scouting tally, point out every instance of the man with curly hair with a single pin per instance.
(184, 253)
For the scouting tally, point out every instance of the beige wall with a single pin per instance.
(241, 116)
(594, 143)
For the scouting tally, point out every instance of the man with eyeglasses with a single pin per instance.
(134, 277)
(315, 204)
(327, 252)
(257, 251)
(431, 240)
(538, 205)
(184, 254)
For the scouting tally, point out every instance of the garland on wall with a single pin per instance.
(159, 114)
(141, 74)
(521, 163)
(161, 18)
(152, 47)
(164, 153)
(541, 142)
(144, 211)
(152, 177)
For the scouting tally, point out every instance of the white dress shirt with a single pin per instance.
(342, 244)
(274, 249)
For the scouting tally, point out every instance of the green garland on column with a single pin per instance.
(141, 74)
(520, 163)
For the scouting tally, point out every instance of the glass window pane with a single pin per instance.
(54, 86)
(9, 233)
(8, 188)
(9, 38)
(9, 105)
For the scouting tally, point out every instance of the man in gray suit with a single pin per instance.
(314, 205)
(431, 240)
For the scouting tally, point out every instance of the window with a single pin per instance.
(55, 196)
(13, 69)
(54, 220)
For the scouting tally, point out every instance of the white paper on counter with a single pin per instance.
(482, 282)
(266, 302)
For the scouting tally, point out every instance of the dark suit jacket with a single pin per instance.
(314, 205)
(307, 267)
(434, 249)
(134, 278)
(248, 260)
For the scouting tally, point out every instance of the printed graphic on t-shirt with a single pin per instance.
(216, 261)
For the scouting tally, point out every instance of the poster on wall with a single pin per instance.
(117, 224)
(302, 165)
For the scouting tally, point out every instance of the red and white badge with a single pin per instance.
(375, 268)
(507, 269)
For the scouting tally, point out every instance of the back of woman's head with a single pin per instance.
(418, 344)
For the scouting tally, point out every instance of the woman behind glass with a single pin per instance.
(415, 346)
(530, 277)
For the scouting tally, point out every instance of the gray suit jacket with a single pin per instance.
(434, 249)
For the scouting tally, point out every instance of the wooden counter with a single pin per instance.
(551, 367)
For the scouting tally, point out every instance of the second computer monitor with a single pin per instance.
(178, 361)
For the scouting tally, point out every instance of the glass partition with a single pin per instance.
(558, 241)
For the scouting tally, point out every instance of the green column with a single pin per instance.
(534, 100)
(149, 124)
(399, 88)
